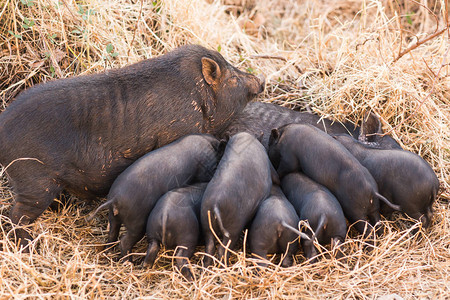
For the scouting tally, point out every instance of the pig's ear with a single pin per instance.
(274, 175)
(226, 136)
(274, 136)
(220, 147)
(260, 137)
(211, 71)
(370, 126)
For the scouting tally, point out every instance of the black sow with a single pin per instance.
(82, 132)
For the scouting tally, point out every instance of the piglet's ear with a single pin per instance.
(370, 126)
(274, 175)
(211, 71)
(274, 136)
(219, 147)
(222, 146)
(260, 136)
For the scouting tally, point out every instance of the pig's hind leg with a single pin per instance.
(262, 242)
(152, 252)
(114, 226)
(224, 249)
(368, 232)
(260, 254)
(136, 226)
(289, 251)
(183, 254)
(128, 241)
(210, 249)
(336, 247)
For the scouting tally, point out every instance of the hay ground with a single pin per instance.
(335, 58)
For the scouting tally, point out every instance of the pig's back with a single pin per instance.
(243, 175)
(160, 170)
(260, 118)
(316, 147)
(403, 168)
(327, 162)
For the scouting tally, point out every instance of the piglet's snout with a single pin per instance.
(262, 83)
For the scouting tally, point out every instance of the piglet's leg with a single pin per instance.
(310, 253)
(209, 249)
(288, 250)
(114, 226)
(128, 241)
(182, 255)
(375, 219)
(224, 252)
(336, 247)
(287, 261)
(258, 254)
(367, 231)
(365, 228)
(152, 252)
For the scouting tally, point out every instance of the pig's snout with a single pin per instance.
(262, 83)
(255, 85)
(426, 218)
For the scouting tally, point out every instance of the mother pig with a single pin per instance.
(79, 134)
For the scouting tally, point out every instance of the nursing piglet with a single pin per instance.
(317, 205)
(298, 147)
(273, 229)
(242, 180)
(402, 177)
(174, 222)
(135, 192)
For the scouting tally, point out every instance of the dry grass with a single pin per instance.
(336, 58)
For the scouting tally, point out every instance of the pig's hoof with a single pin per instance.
(128, 263)
(126, 259)
(187, 274)
(24, 247)
(259, 270)
(147, 265)
(207, 261)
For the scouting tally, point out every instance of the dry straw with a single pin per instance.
(335, 58)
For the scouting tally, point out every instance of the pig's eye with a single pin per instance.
(234, 78)
(251, 94)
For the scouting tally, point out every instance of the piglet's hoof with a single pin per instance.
(22, 239)
(128, 262)
(187, 274)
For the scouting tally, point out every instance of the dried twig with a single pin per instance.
(420, 42)
(135, 28)
(431, 13)
(277, 58)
